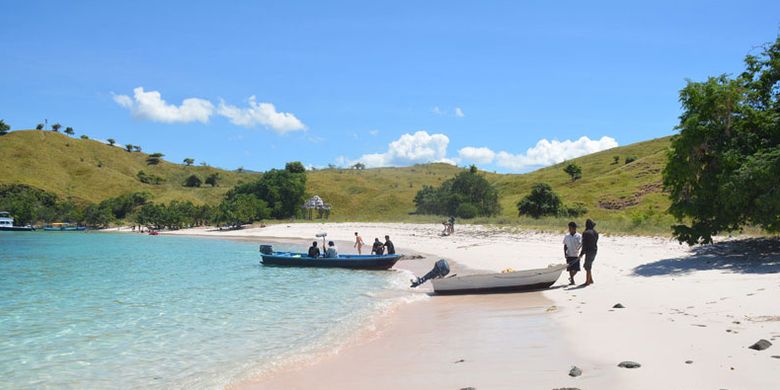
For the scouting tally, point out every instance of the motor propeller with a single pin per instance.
(440, 270)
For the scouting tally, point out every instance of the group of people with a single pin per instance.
(332, 251)
(576, 246)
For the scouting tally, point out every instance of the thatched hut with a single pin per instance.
(316, 203)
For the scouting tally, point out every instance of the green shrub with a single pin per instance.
(467, 211)
(540, 202)
(630, 159)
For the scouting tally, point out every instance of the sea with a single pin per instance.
(121, 310)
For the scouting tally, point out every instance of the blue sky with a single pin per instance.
(386, 83)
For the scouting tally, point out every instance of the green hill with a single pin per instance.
(91, 171)
(627, 197)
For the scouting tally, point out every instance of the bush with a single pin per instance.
(193, 181)
(467, 187)
(283, 191)
(630, 159)
(145, 178)
(467, 211)
(540, 202)
(615, 159)
(574, 171)
(576, 210)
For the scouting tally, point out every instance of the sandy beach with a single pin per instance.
(689, 316)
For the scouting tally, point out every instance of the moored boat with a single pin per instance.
(528, 280)
(293, 259)
(63, 227)
(7, 224)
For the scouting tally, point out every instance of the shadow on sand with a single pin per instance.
(749, 256)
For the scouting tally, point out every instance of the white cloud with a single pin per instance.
(459, 112)
(264, 114)
(436, 110)
(151, 106)
(478, 155)
(373, 133)
(419, 147)
(552, 152)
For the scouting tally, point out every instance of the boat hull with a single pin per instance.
(17, 228)
(65, 229)
(518, 281)
(366, 262)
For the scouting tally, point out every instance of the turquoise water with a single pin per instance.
(99, 310)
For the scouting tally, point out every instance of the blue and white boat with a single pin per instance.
(7, 224)
(293, 259)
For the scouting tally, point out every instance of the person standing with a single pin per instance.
(572, 243)
(389, 246)
(359, 243)
(590, 239)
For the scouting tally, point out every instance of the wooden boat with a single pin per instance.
(63, 227)
(368, 262)
(534, 279)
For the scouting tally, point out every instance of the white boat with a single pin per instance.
(534, 279)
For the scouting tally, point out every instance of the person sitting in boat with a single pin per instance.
(378, 248)
(332, 252)
(314, 251)
(389, 245)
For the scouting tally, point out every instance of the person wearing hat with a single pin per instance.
(572, 242)
(590, 239)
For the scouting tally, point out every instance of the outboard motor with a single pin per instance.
(440, 270)
(266, 249)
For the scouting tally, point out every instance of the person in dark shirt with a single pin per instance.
(389, 245)
(590, 239)
(313, 250)
(378, 249)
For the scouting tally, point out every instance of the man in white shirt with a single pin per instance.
(572, 243)
(332, 252)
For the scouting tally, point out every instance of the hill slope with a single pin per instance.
(87, 170)
(91, 171)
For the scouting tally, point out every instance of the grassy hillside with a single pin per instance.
(88, 170)
(623, 197)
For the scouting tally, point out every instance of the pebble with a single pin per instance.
(575, 372)
(761, 345)
(629, 364)
(689, 362)
(618, 306)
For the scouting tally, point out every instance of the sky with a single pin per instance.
(510, 86)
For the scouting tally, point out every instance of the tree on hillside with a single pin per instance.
(212, 179)
(723, 170)
(615, 159)
(630, 159)
(542, 201)
(137, 148)
(282, 189)
(56, 127)
(467, 195)
(295, 167)
(154, 158)
(193, 181)
(84, 136)
(69, 131)
(241, 209)
(4, 128)
(189, 161)
(359, 166)
(574, 171)
(111, 141)
(129, 147)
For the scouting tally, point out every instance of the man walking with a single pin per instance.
(572, 243)
(359, 243)
(590, 239)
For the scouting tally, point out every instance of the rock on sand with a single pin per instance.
(629, 364)
(761, 345)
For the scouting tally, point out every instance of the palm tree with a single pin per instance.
(69, 131)
(56, 127)
(189, 161)
(111, 141)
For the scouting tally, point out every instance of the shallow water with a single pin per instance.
(99, 310)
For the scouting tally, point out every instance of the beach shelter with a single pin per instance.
(316, 203)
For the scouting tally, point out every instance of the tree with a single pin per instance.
(295, 167)
(540, 202)
(129, 147)
(615, 159)
(359, 166)
(84, 136)
(97, 216)
(189, 161)
(241, 209)
(574, 171)
(146, 178)
(39, 126)
(111, 141)
(154, 158)
(69, 131)
(137, 148)
(723, 169)
(630, 159)
(4, 127)
(56, 127)
(467, 187)
(212, 179)
(193, 181)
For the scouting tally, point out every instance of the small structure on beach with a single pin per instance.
(316, 203)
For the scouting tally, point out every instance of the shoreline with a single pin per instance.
(704, 305)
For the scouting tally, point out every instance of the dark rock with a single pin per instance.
(460, 361)
(618, 306)
(761, 345)
(567, 388)
(629, 364)
(575, 371)
(689, 362)
(468, 388)
(776, 356)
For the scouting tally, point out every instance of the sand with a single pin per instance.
(704, 305)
